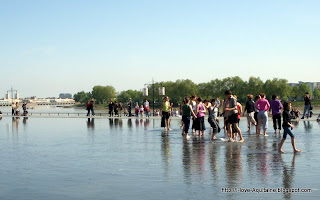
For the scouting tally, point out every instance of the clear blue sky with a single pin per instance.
(50, 47)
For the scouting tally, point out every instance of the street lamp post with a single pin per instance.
(161, 92)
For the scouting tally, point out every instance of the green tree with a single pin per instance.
(103, 94)
(303, 88)
(82, 97)
(254, 86)
(279, 87)
(316, 93)
(135, 95)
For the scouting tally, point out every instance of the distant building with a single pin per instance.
(65, 96)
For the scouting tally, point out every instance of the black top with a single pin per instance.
(307, 101)
(286, 118)
(111, 106)
(249, 106)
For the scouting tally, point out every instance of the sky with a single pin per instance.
(49, 47)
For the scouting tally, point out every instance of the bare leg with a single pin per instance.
(239, 132)
(280, 145)
(293, 142)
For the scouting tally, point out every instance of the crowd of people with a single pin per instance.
(194, 109)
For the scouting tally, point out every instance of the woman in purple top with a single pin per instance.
(263, 106)
(276, 107)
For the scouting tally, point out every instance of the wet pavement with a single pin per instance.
(76, 158)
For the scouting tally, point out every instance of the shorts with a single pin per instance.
(287, 130)
(232, 119)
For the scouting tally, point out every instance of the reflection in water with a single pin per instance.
(288, 175)
(25, 120)
(90, 123)
(129, 123)
(111, 122)
(198, 155)
(233, 164)
(307, 126)
(15, 124)
(186, 161)
(213, 156)
(165, 152)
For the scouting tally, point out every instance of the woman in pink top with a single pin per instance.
(263, 106)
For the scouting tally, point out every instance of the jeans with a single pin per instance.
(306, 107)
(263, 116)
(287, 130)
(92, 110)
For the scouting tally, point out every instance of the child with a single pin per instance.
(136, 110)
(287, 127)
(141, 110)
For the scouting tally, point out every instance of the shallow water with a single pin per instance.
(45, 158)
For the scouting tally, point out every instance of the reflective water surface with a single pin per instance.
(135, 159)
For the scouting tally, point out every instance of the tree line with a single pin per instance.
(215, 88)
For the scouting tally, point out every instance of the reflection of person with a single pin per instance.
(287, 127)
(288, 175)
(90, 123)
(307, 104)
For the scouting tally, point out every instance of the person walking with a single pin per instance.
(13, 106)
(275, 107)
(287, 127)
(88, 107)
(146, 107)
(263, 106)
(307, 104)
(250, 112)
(111, 108)
(129, 106)
(92, 104)
(120, 108)
(116, 109)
